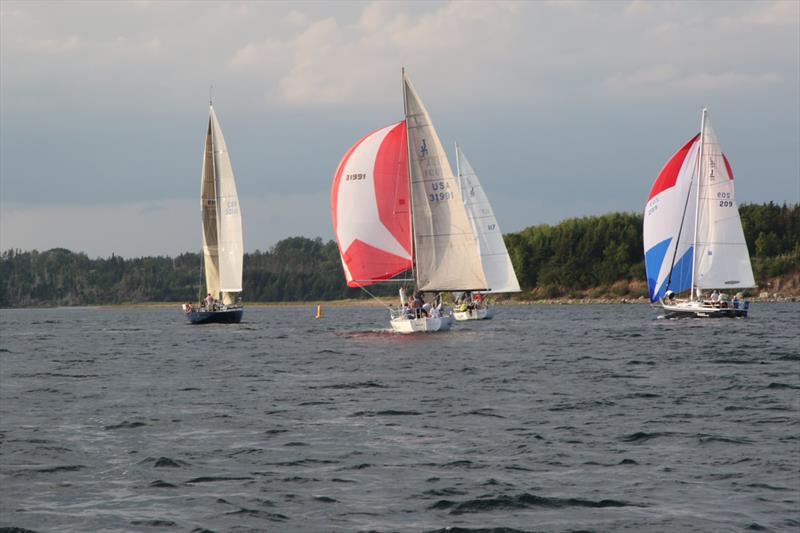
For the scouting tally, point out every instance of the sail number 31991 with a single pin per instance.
(440, 192)
(440, 196)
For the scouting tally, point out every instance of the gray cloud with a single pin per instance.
(563, 107)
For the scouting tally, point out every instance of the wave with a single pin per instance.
(523, 501)
(642, 436)
(214, 479)
(125, 425)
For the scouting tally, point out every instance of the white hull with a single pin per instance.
(697, 309)
(421, 325)
(483, 313)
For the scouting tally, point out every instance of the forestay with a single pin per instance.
(446, 251)
(497, 266)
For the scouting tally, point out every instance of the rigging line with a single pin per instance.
(391, 280)
(200, 281)
(389, 307)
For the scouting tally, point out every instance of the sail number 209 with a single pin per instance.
(724, 199)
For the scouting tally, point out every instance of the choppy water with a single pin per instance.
(548, 418)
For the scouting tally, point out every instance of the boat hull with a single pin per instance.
(421, 325)
(695, 309)
(483, 313)
(222, 316)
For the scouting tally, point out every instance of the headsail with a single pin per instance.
(497, 266)
(223, 247)
(370, 207)
(722, 256)
(669, 224)
(208, 210)
(445, 249)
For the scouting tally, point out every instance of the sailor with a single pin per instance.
(417, 304)
(209, 301)
(714, 297)
(723, 300)
(403, 297)
(668, 296)
(426, 308)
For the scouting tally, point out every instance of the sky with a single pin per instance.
(564, 108)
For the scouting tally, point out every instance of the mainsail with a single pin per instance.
(445, 249)
(722, 256)
(692, 203)
(370, 207)
(497, 266)
(221, 217)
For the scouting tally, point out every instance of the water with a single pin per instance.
(548, 418)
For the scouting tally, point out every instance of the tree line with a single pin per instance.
(588, 256)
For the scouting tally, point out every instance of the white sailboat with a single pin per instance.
(223, 248)
(693, 237)
(396, 205)
(497, 267)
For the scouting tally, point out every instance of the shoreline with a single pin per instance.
(777, 298)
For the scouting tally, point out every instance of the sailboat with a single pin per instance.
(223, 248)
(497, 267)
(693, 237)
(396, 205)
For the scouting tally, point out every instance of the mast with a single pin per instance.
(202, 257)
(697, 197)
(216, 183)
(410, 191)
(458, 172)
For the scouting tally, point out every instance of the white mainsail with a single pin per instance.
(497, 266)
(721, 259)
(445, 249)
(223, 247)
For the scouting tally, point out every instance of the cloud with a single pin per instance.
(727, 80)
(55, 46)
(656, 75)
(670, 78)
(776, 13)
(295, 18)
(331, 63)
(152, 44)
(261, 54)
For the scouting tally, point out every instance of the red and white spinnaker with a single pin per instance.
(370, 207)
